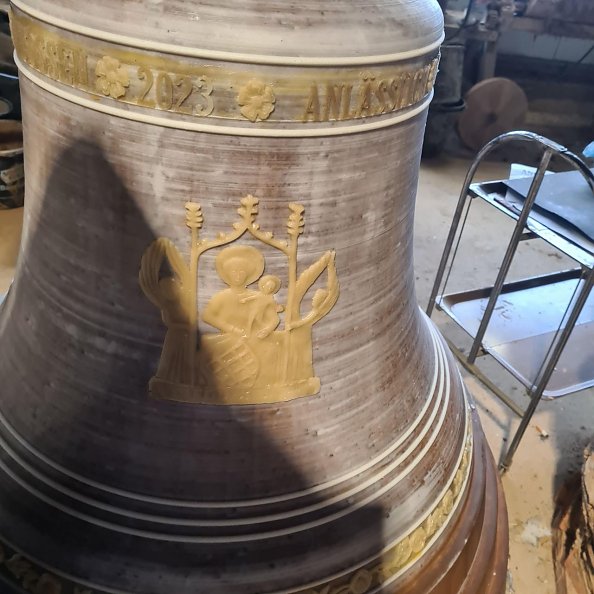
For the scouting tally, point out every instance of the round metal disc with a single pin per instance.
(5, 107)
(493, 107)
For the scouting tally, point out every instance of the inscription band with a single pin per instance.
(193, 91)
(236, 130)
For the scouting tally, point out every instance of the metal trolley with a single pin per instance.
(525, 330)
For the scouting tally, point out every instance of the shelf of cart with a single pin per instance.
(561, 236)
(524, 324)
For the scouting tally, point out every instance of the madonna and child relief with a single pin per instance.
(260, 350)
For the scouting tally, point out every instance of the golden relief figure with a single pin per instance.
(263, 349)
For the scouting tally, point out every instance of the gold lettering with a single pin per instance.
(333, 102)
(184, 83)
(422, 82)
(426, 79)
(413, 87)
(364, 106)
(40, 56)
(346, 102)
(393, 94)
(164, 91)
(432, 74)
(35, 52)
(35, 55)
(181, 89)
(205, 88)
(52, 68)
(29, 46)
(146, 75)
(313, 105)
(81, 70)
(394, 91)
(66, 64)
(380, 93)
(23, 42)
(419, 85)
(406, 88)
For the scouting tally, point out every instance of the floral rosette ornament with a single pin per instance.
(256, 100)
(112, 78)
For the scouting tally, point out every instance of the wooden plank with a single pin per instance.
(556, 27)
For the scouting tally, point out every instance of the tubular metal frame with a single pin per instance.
(520, 233)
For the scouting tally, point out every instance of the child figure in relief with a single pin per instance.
(264, 318)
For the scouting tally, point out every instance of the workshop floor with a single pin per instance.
(542, 463)
(11, 223)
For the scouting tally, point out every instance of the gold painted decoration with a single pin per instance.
(217, 90)
(262, 350)
(112, 78)
(256, 100)
(371, 577)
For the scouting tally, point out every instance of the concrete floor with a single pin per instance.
(541, 464)
(11, 223)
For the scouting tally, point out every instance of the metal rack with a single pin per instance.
(528, 341)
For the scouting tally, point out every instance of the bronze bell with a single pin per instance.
(214, 374)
